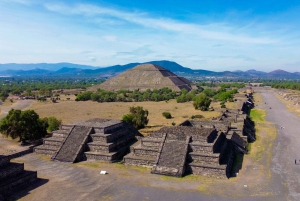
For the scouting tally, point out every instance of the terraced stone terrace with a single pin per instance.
(193, 147)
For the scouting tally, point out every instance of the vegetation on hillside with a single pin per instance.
(41, 87)
(281, 84)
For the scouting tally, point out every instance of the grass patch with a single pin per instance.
(257, 115)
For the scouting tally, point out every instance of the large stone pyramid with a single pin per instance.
(146, 76)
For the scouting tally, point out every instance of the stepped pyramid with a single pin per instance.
(146, 76)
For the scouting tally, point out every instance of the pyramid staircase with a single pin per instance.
(52, 144)
(73, 145)
(145, 153)
(172, 157)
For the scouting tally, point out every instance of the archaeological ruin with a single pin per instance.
(194, 147)
(143, 77)
(13, 176)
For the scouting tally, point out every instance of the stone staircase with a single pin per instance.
(208, 159)
(145, 153)
(13, 177)
(172, 157)
(52, 144)
(110, 145)
(73, 145)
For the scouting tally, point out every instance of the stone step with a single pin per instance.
(144, 161)
(99, 146)
(45, 149)
(104, 156)
(111, 147)
(218, 171)
(145, 151)
(109, 137)
(208, 165)
(149, 142)
(64, 135)
(54, 141)
(100, 137)
(11, 170)
(22, 180)
(201, 147)
(204, 157)
(163, 170)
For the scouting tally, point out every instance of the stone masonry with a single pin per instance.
(13, 177)
(94, 139)
(197, 147)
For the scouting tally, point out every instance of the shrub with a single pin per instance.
(137, 117)
(167, 115)
(202, 102)
(53, 123)
(197, 116)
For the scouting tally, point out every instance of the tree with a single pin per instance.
(53, 123)
(201, 102)
(25, 125)
(137, 117)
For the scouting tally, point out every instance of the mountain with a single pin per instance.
(45, 66)
(77, 70)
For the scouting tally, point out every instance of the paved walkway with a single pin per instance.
(286, 147)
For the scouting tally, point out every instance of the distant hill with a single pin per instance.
(77, 70)
(45, 66)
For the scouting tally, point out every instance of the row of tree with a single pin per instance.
(42, 87)
(163, 94)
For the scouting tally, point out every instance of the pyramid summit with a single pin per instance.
(146, 76)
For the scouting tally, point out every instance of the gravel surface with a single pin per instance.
(286, 147)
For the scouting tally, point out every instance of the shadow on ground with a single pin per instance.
(26, 191)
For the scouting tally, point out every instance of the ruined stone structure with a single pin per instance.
(197, 147)
(290, 95)
(95, 139)
(181, 150)
(193, 147)
(13, 176)
(146, 76)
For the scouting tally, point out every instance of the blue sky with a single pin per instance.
(206, 34)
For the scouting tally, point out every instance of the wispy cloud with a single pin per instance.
(145, 20)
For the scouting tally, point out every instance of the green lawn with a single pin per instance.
(257, 115)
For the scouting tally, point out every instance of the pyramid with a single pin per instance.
(146, 76)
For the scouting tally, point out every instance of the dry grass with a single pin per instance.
(70, 111)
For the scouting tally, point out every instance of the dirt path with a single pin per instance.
(286, 175)
(20, 105)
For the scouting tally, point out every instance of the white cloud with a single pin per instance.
(143, 19)
(110, 38)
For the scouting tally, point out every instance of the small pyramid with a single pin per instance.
(146, 76)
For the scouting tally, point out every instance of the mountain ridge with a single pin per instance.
(69, 69)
